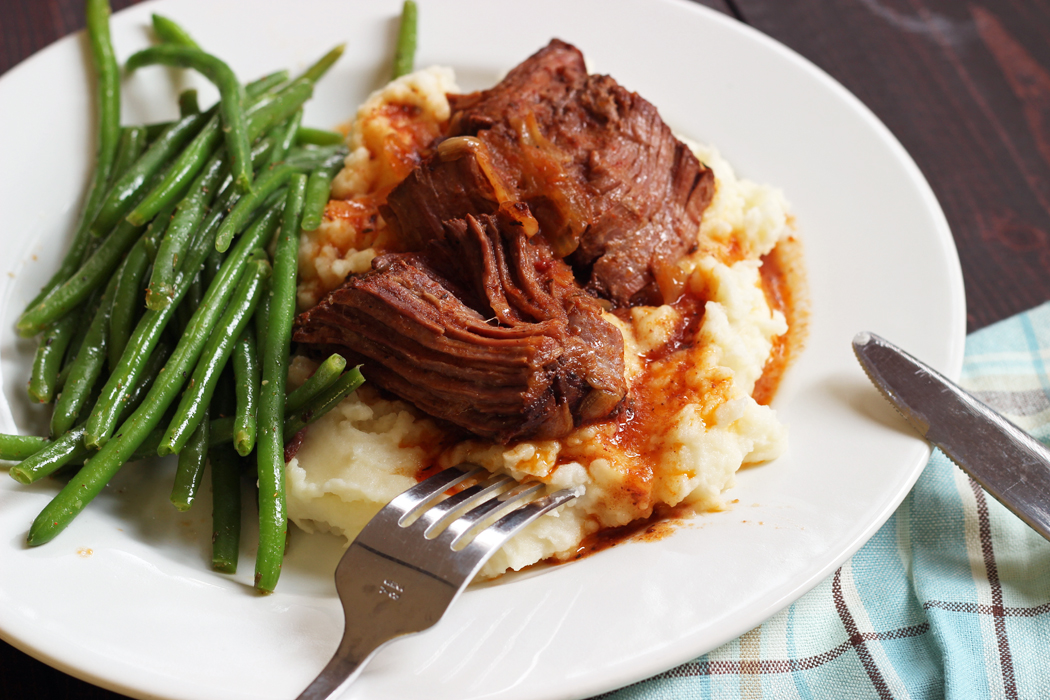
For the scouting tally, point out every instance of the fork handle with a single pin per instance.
(346, 663)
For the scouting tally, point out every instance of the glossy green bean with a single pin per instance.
(96, 473)
(329, 158)
(217, 350)
(151, 326)
(154, 130)
(286, 139)
(246, 385)
(170, 31)
(127, 300)
(188, 103)
(190, 471)
(226, 508)
(228, 197)
(322, 378)
(318, 187)
(265, 84)
(190, 302)
(231, 104)
(273, 524)
(132, 144)
(278, 107)
(178, 177)
(155, 230)
(405, 55)
(318, 69)
(318, 137)
(125, 192)
(15, 448)
(238, 218)
(87, 367)
(68, 448)
(95, 271)
(43, 382)
(107, 75)
(188, 217)
(324, 402)
(198, 155)
(262, 318)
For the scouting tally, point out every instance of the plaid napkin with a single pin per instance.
(950, 599)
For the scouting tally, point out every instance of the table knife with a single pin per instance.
(1009, 463)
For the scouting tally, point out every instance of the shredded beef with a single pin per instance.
(507, 346)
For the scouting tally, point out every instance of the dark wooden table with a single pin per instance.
(964, 86)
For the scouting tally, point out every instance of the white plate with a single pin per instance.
(124, 597)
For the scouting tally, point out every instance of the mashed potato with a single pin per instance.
(693, 422)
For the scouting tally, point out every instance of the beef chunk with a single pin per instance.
(485, 328)
(612, 189)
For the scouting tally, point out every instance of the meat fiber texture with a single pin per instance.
(370, 448)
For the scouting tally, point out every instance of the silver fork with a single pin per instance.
(414, 558)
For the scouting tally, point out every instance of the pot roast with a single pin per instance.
(551, 197)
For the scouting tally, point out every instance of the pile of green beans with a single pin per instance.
(167, 328)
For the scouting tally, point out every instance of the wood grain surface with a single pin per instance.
(964, 86)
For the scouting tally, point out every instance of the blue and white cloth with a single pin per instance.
(950, 599)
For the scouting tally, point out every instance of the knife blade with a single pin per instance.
(1010, 464)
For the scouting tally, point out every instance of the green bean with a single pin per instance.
(324, 402)
(191, 160)
(127, 300)
(263, 85)
(188, 217)
(239, 216)
(284, 142)
(15, 448)
(318, 188)
(191, 301)
(92, 274)
(153, 131)
(314, 72)
(180, 174)
(149, 330)
(231, 104)
(66, 449)
(306, 159)
(228, 197)
(405, 55)
(270, 443)
(170, 31)
(124, 193)
(108, 100)
(156, 229)
(43, 381)
(188, 103)
(132, 144)
(226, 508)
(89, 481)
(69, 448)
(190, 471)
(262, 318)
(322, 378)
(87, 367)
(278, 107)
(319, 137)
(192, 407)
(85, 314)
(221, 430)
(246, 383)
